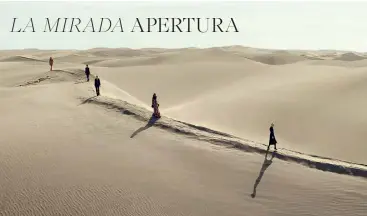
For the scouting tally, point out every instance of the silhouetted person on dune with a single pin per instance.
(155, 106)
(97, 84)
(87, 72)
(51, 62)
(272, 140)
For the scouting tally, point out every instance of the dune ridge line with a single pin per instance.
(220, 138)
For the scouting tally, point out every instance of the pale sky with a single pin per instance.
(279, 25)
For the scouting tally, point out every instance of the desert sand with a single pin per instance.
(65, 151)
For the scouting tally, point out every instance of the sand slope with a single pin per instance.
(66, 152)
(316, 104)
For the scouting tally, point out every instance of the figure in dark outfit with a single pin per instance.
(87, 72)
(97, 84)
(272, 140)
(155, 106)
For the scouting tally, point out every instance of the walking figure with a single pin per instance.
(51, 62)
(97, 84)
(155, 106)
(87, 72)
(272, 140)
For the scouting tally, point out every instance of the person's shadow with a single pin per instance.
(267, 162)
(150, 123)
(87, 100)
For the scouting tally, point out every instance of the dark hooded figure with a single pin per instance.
(97, 84)
(154, 100)
(155, 106)
(272, 140)
(87, 72)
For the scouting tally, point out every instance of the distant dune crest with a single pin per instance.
(147, 56)
(349, 56)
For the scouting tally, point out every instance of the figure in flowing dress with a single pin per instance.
(155, 106)
(51, 62)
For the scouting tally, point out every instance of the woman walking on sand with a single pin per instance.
(51, 62)
(272, 140)
(155, 106)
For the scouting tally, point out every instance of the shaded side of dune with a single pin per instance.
(349, 56)
(219, 138)
(20, 59)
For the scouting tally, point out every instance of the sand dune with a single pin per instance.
(350, 57)
(301, 102)
(216, 137)
(191, 80)
(208, 92)
(340, 63)
(66, 152)
(121, 52)
(174, 58)
(279, 58)
(19, 59)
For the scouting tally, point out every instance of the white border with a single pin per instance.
(131, 1)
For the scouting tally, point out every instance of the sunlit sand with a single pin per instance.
(65, 151)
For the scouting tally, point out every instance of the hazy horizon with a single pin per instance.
(173, 48)
(266, 25)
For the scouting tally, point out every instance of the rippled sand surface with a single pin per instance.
(66, 152)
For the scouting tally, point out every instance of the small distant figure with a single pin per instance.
(97, 84)
(272, 140)
(87, 72)
(155, 106)
(51, 62)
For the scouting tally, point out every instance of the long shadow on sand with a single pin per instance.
(150, 123)
(267, 162)
(87, 100)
